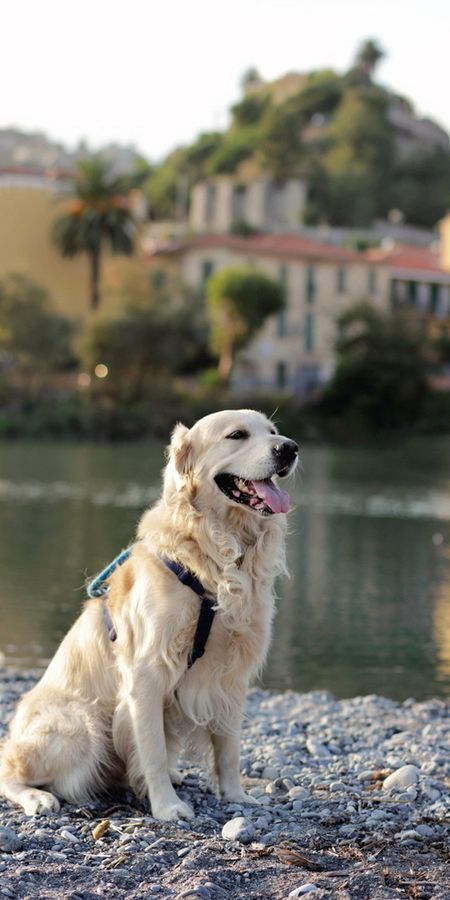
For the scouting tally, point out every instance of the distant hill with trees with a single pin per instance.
(360, 147)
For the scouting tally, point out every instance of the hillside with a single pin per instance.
(360, 147)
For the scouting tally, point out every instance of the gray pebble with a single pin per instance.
(9, 842)
(271, 773)
(211, 886)
(239, 829)
(425, 831)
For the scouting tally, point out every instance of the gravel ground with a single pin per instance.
(354, 803)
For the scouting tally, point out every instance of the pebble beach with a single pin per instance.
(353, 802)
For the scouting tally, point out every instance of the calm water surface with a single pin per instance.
(367, 609)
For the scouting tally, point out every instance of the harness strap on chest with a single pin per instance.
(99, 588)
(207, 611)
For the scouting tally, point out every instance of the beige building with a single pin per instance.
(293, 351)
(264, 204)
(419, 278)
(29, 203)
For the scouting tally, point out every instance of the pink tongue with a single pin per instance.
(276, 500)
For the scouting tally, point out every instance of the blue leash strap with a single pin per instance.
(99, 586)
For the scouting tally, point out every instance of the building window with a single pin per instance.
(281, 375)
(434, 298)
(283, 277)
(399, 293)
(239, 202)
(341, 280)
(210, 210)
(310, 284)
(282, 328)
(412, 293)
(207, 271)
(282, 317)
(309, 332)
(372, 281)
(423, 296)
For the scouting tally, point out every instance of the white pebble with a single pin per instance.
(316, 748)
(68, 836)
(303, 889)
(298, 793)
(238, 829)
(402, 779)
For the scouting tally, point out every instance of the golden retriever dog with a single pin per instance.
(122, 694)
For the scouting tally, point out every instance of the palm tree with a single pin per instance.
(98, 213)
(368, 56)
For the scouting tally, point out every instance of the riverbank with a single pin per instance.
(329, 821)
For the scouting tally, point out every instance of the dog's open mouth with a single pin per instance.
(262, 496)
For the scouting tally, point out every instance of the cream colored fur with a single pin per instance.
(104, 710)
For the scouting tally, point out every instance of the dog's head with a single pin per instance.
(231, 457)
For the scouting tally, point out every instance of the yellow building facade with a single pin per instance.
(29, 204)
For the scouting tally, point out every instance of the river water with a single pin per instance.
(367, 609)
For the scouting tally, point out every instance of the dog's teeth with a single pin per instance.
(235, 493)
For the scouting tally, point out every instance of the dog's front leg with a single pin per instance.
(147, 714)
(227, 758)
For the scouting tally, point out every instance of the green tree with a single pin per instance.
(358, 162)
(250, 109)
(368, 56)
(236, 146)
(381, 379)
(321, 93)
(239, 301)
(250, 79)
(150, 339)
(98, 214)
(34, 340)
(281, 142)
(421, 187)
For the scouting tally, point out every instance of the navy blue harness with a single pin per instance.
(99, 588)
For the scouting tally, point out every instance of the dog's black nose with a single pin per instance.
(285, 452)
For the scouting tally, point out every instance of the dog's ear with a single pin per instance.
(181, 449)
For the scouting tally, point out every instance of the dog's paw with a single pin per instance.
(171, 812)
(176, 776)
(39, 803)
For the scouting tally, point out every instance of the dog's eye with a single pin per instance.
(238, 436)
(272, 431)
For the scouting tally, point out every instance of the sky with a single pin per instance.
(156, 74)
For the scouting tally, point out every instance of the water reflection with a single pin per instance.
(367, 608)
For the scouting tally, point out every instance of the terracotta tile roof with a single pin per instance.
(285, 245)
(405, 256)
(19, 170)
(49, 174)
